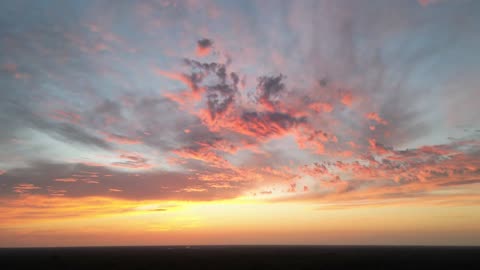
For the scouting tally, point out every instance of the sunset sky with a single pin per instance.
(239, 122)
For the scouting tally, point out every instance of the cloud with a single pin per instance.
(151, 184)
(378, 148)
(204, 47)
(69, 133)
(132, 161)
(221, 97)
(66, 180)
(190, 81)
(194, 189)
(267, 124)
(268, 90)
(314, 139)
(316, 170)
(399, 174)
(159, 210)
(276, 117)
(71, 117)
(12, 69)
(425, 3)
(25, 188)
(223, 109)
(222, 87)
(203, 154)
(321, 107)
(375, 117)
(120, 139)
(347, 98)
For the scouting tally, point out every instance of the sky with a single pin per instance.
(239, 122)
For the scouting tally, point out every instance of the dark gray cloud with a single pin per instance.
(221, 85)
(269, 89)
(205, 43)
(17, 117)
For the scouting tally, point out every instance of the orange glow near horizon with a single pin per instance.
(103, 221)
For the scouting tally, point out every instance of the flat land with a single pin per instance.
(242, 257)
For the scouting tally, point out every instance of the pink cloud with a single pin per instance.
(93, 164)
(132, 161)
(204, 47)
(24, 188)
(120, 139)
(425, 3)
(264, 125)
(71, 117)
(12, 68)
(292, 188)
(321, 107)
(203, 154)
(378, 148)
(375, 117)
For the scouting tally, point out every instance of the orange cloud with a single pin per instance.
(346, 98)
(265, 124)
(375, 117)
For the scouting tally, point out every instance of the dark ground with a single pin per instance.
(242, 257)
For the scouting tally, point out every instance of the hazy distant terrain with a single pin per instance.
(243, 257)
